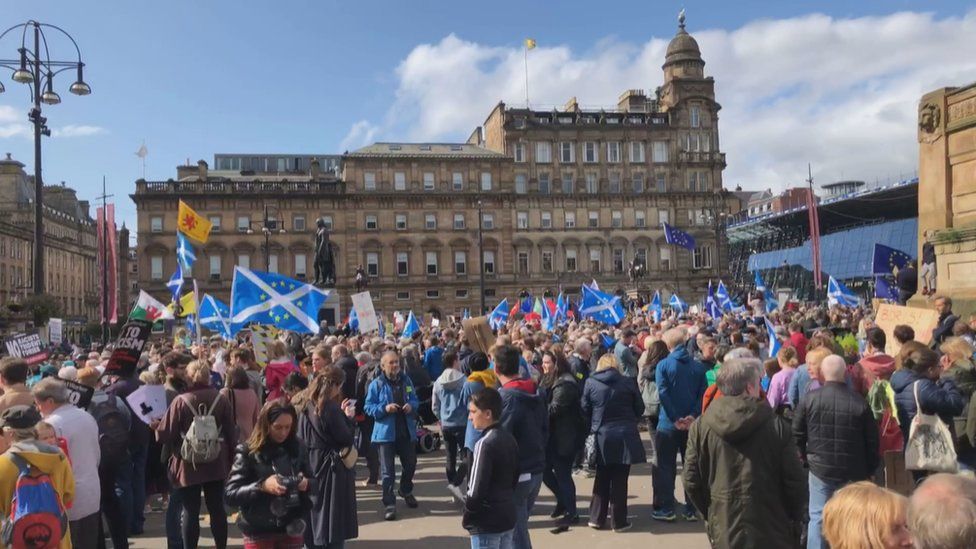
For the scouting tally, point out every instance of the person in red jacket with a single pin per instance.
(799, 342)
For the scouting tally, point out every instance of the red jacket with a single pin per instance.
(800, 342)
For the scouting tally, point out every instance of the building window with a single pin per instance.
(593, 220)
(702, 258)
(640, 219)
(155, 267)
(156, 224)
(570, 220)
(638, 181)
(544, 183)
(697, 216)
(458, 221)
(695, 117)
(457, 181)
(518, 151)
(403, 266)
(403, 296)
(430, 221)
(433, 294)
(489, 262)
(301, 266)
(637, 152)
(543, 152)
(592, 183)
(589, 152)
(661, 182)
(460, 263)
(244, 260)
(613, 152)
(706, 142)
(521, 183)
(488, 221)
(401, 222)
(567, 152)
(327, 221)
(614, 182)
(616, 219)
(371, 223)
(369, 181)
(431, 263)
(399, 181)
(665, 258)
(428, 181)
(568, 183)
(659, 151)
(243, 223)
(594, 261)
(215, 267)
(618, 260)
(273, 263)
(547, 262)
(663, 216)
(485, 181)
(523, 262)
(522, 220)
(298, 223)
(571, 261)
(546, 220)
(461, 294)
(372, 264)
(214, 223)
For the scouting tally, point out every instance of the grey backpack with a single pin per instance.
(202, 441)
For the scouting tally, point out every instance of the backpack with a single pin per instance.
(201, 443)
(113, 429)
(37, 518)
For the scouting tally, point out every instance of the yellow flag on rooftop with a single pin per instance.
(530, 43)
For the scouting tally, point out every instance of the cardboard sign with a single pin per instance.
(363, 303)
(78, 394)
(26, 346)
(479, 334)
(148, 402)
(55, 331)
(128, 347)
(923, 321)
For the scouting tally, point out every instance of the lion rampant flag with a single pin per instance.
(193, 224)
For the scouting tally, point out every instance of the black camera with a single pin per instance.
(283, 505)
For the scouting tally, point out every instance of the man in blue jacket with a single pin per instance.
(392, 402)
(681, 385)
(525, 416)
(433, 358)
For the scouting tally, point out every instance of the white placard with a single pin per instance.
(54, 327)
(435, 322)
(363, 303)
(148, 402)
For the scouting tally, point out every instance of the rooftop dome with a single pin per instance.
(682, 47)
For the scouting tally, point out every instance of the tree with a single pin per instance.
(41, 308)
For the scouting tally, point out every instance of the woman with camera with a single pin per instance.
(326, 427)
(269, 481)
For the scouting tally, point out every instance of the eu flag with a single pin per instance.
(499, 315)
(269, 298)
(883, 289)
(678, 237)
(601, 307)
(887, 259)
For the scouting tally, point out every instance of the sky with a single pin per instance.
(834, 84)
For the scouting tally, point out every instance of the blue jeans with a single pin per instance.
(131, 488)
(525, 494)
(492, 541)
(388, 451)
(820, 492)
(669, 443)
(174, 524)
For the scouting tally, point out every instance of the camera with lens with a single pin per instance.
(283, 505)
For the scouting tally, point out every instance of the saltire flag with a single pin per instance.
(353, 320)
(548, 318)
(673, 235)
(887, 259)
(466, 314)
(175, 282)
(214, 315)
(526, 306)
(607, 342)
(185, 252)
(411, 327)
(883, 290)
(771, 303)
(655, 306)
(499, 315)
(601, 307)
(192, 224)
(562, 308)
(813, 220)
(594, 285)
(148, 308)
(188, 305)
(270, 298)
(191, 324)
(774, 343)
(711, 307)
(839, 294)
(722, 297)
(677, 304)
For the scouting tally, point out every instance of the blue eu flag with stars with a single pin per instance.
(269, 298)
(678, 237)
(886, 259)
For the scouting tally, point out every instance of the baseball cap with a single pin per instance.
(20, 417)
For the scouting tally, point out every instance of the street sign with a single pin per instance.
(128, 347)
(26, 346)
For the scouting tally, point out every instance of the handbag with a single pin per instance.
(929, 445)
(349, 455)
(589, 451)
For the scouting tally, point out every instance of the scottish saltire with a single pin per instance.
(562, 308)
(771, 303)
(677, 303)
(711, 306)
(466, 314)
(411, 327)
(525, 307)
(192, 224)
(594, 285)
(261, 338)
(887, 259)
(813, 221)
(175, 282)
(722, 297)
(270, 298)
(188, 305)
(774, 343)
(655, 306)
(191, 324)
(673, 235)
(214, 315)
(601, 307)
(185, 253)
(148, 308)
(839, 294)
(353, 320)
(499, 315)
(607, 341)
(548, 318)
(883, 289)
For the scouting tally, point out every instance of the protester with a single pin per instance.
(344, 360)
(807, 377)
(655, 353)
(942, 513)
(922, 373)
(364, 377)
(244, 402)
(13, 379)
(943, 305)
(799, 342)
(907, 282)
(625, 355)
(278, 368)
(449, 408)
(433, 358)
(864, 516)
(566, 433)
(741, 469)
(579, 361)
(779, 384)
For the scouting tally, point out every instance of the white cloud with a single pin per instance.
(72, 130)
(838, 93)
(12, 122)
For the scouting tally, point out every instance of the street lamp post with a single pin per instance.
(35, 68)
(268, 228)
(481, 256)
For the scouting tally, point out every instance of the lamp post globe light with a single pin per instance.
(34, 67)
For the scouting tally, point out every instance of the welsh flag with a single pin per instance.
(147, 308)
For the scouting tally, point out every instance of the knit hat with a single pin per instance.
(19, 417)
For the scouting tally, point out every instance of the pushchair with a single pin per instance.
(428, 440)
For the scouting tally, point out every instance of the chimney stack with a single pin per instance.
(202, 170)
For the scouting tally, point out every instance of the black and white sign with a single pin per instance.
(148, 402)
(78, 394)
(26, 346)
(128, 347)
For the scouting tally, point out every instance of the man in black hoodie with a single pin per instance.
(489, 505)
(524, 415)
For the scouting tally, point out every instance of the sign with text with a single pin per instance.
(128, 347)
(26, 346)
(148, 402)
(78, 394)
(923, 321)
(55, 329)
(363, 303)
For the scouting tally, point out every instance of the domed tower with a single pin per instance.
(684, 71)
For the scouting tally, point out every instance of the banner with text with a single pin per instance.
(55, 331)
(363, 303)
(128, 347)
(26, 346)
(923, 321)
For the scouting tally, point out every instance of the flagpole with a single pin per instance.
(525, 47)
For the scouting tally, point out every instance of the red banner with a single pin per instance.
(107, 263)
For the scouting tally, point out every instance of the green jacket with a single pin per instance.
(743, 472)
(711, 374)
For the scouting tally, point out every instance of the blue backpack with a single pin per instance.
(37, 518)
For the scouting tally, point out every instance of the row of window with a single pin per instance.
(566, 152)
(16, 247)
(568, 183)
(429, 181)
(245, 223)
(215, 265)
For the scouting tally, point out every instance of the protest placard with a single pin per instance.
(55, 331)
(923, 321)
(78, 394)
(128, 347)
(363, 303)
(148, 402)
(27, 346)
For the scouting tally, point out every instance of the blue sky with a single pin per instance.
(192, 78)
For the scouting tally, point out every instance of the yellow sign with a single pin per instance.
(192, 224)
(923, 321)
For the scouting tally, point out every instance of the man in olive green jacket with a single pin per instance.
(742, 470)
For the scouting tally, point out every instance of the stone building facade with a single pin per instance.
(565, 196)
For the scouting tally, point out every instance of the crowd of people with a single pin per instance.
(795, 436)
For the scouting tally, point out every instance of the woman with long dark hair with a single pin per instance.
(269, 481)
(243, 400)
(326, 426)
(566, 431)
